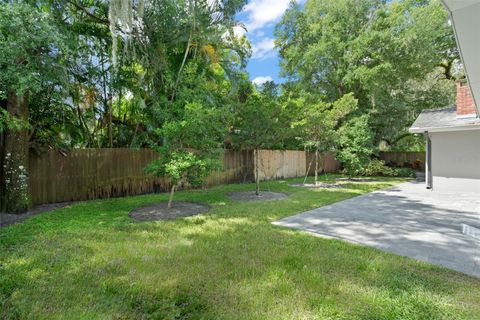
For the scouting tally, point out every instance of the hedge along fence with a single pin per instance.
(404, 159)
(85, 174)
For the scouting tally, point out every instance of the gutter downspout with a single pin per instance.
(428, 163)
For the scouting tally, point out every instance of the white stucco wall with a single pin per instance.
(456, 161)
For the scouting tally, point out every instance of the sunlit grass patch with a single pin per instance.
(92, 261)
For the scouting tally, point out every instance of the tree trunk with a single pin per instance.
(170, 199)
(324, 166)
(308, 171)
(177, 81)
(257, 177)
(316, 166)
(110, 118)
(17, 193)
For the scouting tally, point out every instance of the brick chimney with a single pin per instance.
(465, 102)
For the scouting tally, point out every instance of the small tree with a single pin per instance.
(318, 123)
(257, 125)
(191, 147)
(182, 167)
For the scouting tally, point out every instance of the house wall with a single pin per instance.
(456, 161)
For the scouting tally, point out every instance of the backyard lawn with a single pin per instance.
(92, 261)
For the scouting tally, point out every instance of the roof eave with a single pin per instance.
(468, 47)
(444, 129)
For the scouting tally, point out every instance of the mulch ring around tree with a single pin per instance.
(251, 196)
(159, 211)
(318, 185)
(366, 179)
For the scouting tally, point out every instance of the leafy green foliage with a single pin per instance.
(198, 128)
(355, 145)
(81, 100)
(318, 121)
(404, 172)
(258, 122)
(378, 168)
(30, 48)
(396, 57)
(182, 167)
(7, 121)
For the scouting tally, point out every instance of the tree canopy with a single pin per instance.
(395, 57)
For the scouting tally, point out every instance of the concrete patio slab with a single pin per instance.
(407, 220)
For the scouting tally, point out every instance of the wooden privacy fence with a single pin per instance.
(102, 173)
(404, 159)
(85, 174)
(91, 173)
(277, 164)
(327, 163)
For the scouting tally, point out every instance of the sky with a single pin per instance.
(260, 18)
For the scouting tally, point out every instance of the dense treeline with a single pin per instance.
(107, 89)
(170, 74)
(396, 57)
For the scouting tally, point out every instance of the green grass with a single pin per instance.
(91, 261)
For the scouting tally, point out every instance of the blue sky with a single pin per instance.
(260, 17)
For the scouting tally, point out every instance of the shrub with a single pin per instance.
(355, 145)
(404, 172)
(378, 168)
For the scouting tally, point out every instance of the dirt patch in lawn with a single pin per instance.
(159, 211)
(7, 219)
(318, 185)
(251, 196)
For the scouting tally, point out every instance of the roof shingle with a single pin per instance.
(441, 119)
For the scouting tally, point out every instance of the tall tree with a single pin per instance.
(30, 52)
(128, 68)
(258, 125)
(318, 123)
(378, 50)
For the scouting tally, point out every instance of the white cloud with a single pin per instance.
(261, 80)
(239, 31)
(263, 49)
(263, 12)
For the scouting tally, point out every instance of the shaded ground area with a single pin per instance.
(7, 219)
(319, 185)
(251, 196)
(159, 211)
(406, 219)
(354, 179)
